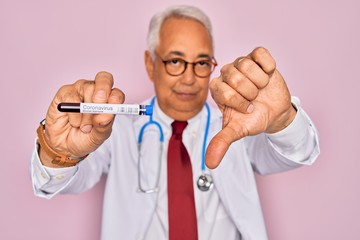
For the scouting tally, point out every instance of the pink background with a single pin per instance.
(45, 44)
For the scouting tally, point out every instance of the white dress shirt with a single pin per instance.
(221, 212)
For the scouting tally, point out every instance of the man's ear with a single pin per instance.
(149, 64)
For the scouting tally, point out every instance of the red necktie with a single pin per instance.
(182, 212)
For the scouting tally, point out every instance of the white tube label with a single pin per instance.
(109, 108)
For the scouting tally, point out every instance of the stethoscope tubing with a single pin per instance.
(205, 139)
(151, 121)
(204, 179)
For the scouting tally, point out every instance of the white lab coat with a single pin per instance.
(128, 213)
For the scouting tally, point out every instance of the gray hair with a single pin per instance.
(181, 11)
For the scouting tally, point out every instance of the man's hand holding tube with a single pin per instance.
(77, 135)
(253, 98)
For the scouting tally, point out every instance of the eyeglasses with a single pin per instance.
(177, 66)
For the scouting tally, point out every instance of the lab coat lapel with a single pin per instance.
(234, 180)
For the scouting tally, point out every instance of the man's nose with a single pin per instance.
(189, 77)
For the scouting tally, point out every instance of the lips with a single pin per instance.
(186, 91)
(185, 95)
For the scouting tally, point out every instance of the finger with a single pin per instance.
(102, 127)
(67, 93)
(57, 123)
(86, 124)
(102, 121)
(264, 59)
(225, 96)
(252, 71)
(219, 145)
(97, 92)
(116, 96)
(103, 85)
(241, 83)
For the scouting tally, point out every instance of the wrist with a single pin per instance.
(48, 156)
(287, 118)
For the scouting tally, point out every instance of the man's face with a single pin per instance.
(181, 97)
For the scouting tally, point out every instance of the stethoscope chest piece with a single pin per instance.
(205, 182)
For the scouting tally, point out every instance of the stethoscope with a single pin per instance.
(204, 182)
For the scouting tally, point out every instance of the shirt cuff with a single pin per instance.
(295, 132)
(47, 181)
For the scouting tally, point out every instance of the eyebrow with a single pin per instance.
(181, 54)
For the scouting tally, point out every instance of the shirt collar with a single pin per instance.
(165, 120)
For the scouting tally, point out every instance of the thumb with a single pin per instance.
(219, 145)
